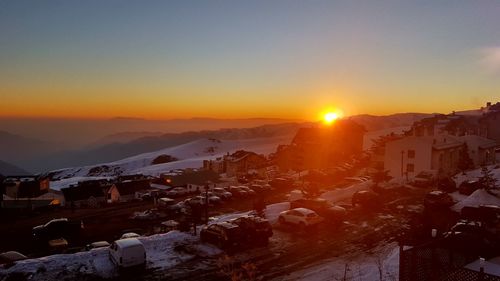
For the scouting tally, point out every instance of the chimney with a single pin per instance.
(488, 104)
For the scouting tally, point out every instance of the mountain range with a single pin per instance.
(41, 155)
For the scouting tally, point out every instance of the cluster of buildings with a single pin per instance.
(440, 144)
(238, 163)
(321, 147)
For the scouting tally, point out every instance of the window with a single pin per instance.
(411, 153)
(410, 168)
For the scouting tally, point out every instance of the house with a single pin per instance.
(321, 147)
(25, 186)
(89, 193)
(490, 122)
(481, 150)
(126, 190)
(243, 162)
(240, 162)
(408, 156)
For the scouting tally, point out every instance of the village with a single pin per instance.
(427, 198)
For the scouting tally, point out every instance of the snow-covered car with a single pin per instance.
(97, 245)
(177, 192)
(438, 199)
(366, 198)
(223, 194)
(151, 214)
(212, 199)
(11, 257)
(129, 235)
(196, 200)
(322, 207)
(237, 191)
(249, 191)
(225, 235)
(300, 216)
(257, 230)
(469, 227)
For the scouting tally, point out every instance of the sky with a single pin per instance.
(246, 59)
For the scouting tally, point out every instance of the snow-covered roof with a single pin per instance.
(477, 198)
(478, 141)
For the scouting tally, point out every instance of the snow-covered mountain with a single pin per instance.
(188, 155)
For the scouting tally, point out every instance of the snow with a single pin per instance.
(273, 211)
(358, 268)
(475, 174)
(477, 198)
(491, 266)
(190, 155)
(62, 183)
(159, 248)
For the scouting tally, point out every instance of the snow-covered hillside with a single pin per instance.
(95, 264)
(188, 155)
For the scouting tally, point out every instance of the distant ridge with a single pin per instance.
(8, 169)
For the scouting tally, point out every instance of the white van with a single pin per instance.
(128, 252)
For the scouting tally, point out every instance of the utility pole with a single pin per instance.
(207, 186)
(402, 156)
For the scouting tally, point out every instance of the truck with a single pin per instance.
(57, 228)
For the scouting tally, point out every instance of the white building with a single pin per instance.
(407, 157)
(481, 150)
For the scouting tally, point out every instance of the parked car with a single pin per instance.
(468, 187)
(97, 245)
(57, 245)
(212, 199)
(236, 191)
(57, 228)
(446, 184)
(438, 199)
(321, 207)
(249, 192)
(256, 229)
(469, 227)
(152, 214)
(129, 252)
(300, 216)
(129, 235)
(223, 194)
(281, 183)
(11, 257)
(196, 200)
(366, 198)
(424, 179)
(165, 203)
(224, 235)
(177, 192)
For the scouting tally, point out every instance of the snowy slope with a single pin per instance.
(189, 155)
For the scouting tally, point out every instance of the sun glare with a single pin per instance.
(330, 117)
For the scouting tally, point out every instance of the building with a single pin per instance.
(126, 190)
(407, 157)
(86, 194)
(481, 150)
(240, 162)
(321, 147)
(25, 186)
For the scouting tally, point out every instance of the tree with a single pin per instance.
(464, 160)
(380, 176)
(487, 179)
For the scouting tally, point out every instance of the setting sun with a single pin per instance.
(330, 117)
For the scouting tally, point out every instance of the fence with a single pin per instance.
(438, 261)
